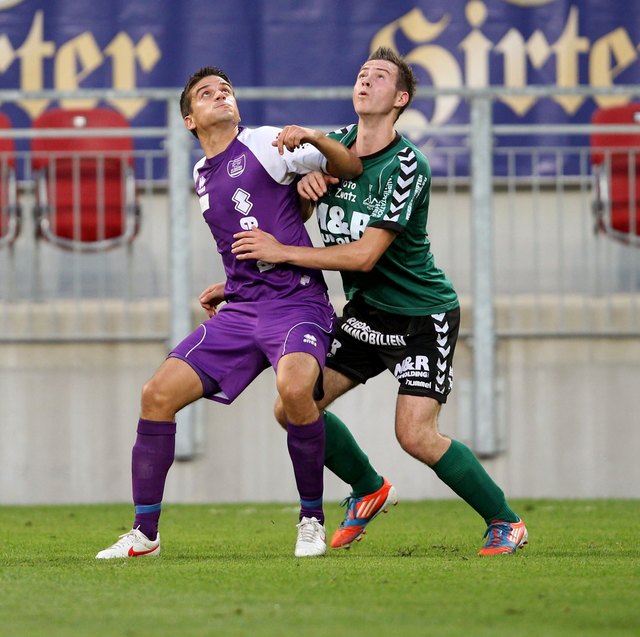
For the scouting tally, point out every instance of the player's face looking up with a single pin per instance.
(212, 102)
(376, 89)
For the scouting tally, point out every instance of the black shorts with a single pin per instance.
(418, 350)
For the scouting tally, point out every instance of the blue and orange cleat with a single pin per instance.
(360, 511)
(504, 537)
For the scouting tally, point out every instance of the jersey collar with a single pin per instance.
(394, 142)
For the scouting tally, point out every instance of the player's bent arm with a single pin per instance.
(341, 161)
(211, 297)
(358, 256)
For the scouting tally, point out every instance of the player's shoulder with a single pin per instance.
(408, 154)
(402, 161)
(345, 135)
(259, 143)
(405, 148)
(260, 135)
(198, 165)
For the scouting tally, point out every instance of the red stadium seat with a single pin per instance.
(616, 167)
(85, 185)
(9, 209)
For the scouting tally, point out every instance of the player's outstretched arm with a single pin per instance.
(359, 255)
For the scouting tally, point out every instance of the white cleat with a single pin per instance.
(132, 544)
(311, 540)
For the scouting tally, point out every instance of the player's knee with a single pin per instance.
(154, 398)
(296, 376)
(418, 439)
(408, 439)
(279, 413)
(293, 393)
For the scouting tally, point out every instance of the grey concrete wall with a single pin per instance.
(568, 408)
(568, 419)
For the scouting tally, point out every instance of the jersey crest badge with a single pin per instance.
(236, 166)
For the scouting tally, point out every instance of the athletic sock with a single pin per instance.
(345, 458)
(306, 449)
(151, 458)
(460, 469)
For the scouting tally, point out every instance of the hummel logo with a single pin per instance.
(241, 199)
(310, 339)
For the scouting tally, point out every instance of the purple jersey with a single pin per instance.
(251, 185)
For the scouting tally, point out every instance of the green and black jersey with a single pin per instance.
(392, 193)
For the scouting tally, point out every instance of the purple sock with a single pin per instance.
(306, 448)
(151, 458)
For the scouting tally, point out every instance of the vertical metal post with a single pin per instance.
(485, 439)
(179, 158)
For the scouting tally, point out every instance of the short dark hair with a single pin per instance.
(407, 80)
(185, 96)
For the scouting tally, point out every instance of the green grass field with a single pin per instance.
(229, 570)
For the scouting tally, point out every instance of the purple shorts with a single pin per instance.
(232, 348)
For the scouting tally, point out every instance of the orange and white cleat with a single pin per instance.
(504, 537)
(360, 511)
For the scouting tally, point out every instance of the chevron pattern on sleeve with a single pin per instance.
(404, 183)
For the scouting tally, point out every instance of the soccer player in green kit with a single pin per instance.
(402, 312)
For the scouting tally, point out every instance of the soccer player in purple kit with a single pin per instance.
(277, 315)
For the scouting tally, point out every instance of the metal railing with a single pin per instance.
(519, 247)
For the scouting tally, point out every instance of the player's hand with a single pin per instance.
(292, 137)
(259, 245)
(211, 298)
(315, 184)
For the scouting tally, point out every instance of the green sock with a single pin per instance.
(460, 469)
(344, 457)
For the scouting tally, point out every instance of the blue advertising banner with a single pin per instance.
(69, 44)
